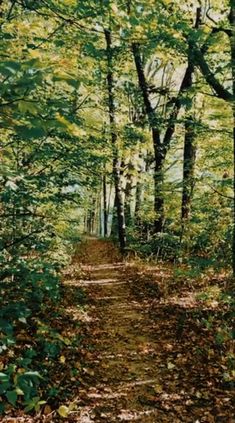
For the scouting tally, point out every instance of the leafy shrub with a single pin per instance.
(19, 385)
(162, 245)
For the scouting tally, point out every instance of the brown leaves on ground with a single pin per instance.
(153, 348)
(156, 348)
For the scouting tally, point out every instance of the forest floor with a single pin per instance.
(149, 357)
(150, 348)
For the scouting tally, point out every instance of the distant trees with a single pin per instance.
(136, 70)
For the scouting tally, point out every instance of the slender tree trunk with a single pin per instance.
(97, 223)
(128, 197)
(138, 200)
(188, 168)
(189, 149)
(189, 138)
(116, 158)
(129, 194)
(142, 169)
(105, 211)
(159, 156)
(84, 223)
(114, 227)
(93, 214)
(159, 153)
(161, 147)
(88, 226)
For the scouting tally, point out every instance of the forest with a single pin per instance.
(117, 205)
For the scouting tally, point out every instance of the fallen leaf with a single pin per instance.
(170, 365)
(63, 411)
(47, 410)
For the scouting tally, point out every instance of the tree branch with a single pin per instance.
(209, 76)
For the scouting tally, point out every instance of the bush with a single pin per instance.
(162, 245)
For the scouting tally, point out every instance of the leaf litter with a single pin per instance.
(146, 353)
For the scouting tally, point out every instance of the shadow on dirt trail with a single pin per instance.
(138, 367)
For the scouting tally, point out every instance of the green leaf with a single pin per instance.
(30, 133)
(33, 375)
(34, 403)
(4, 377)
(70, 81)
(5, 326)
(11, 397)
(9, 68)
(29, 407)
(4, 387)
(25, 106)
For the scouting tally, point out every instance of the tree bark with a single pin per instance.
(159, 154)
(129, 193)
(189, 142)
(160, 148)
(209, 76)
(116, 158)
(128, 197)
(188, 168)
(114, 227)
(105, 211)
(138, 200)
(159, 208)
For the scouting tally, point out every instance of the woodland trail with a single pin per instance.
(137, 369)
(123, 367)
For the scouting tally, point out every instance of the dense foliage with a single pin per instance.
(116, 120)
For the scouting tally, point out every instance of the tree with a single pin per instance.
(221, 91)
(116, 157)
(161, 142)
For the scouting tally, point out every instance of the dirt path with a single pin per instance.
(136, 368)
(123, 356)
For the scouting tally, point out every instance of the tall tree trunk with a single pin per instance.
(188, 168)
(105, 210)
(93, 215)
(128, 197)
(189, 147)
(114, 226)
(159, 156)
(84, 223)
(161, 147)
(116, 158)
(138, 201)
(129, 193)
(159, 153)
(142, 169)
